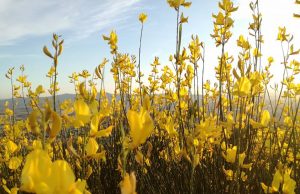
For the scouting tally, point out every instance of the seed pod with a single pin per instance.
(46, 51)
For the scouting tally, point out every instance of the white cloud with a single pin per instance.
(23, 18)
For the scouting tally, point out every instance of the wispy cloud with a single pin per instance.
(9, 56)
(24, 18)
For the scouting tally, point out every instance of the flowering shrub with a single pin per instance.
(173, 134)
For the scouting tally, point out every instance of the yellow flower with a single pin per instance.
(32, 122)
(227, 6)
(37, 144)
(141, 126)
(13, 190)
(230, 154)
(92, 147)
(84, 74)
(14, 163)
(94, 132)
(219, 19)
(176, 3)
(65, 182)
(265, 118)
(82, 111)
(143, 17)
(170, 127)
(56, 124)
(79, 140)
(41, 176)
(183, 19)
(228, 173)
(289, 184)
(241, 161)
(36, 170)
(282, 36)
(128, 184)
(112, 41)
(277, 179)
(242, 87)
(270, 60)
(255, 78)
(103, 133)
(139, 157)
(39, 90)
(241, 42)
(256, 53)
(266, 188)
(11, 146)
(22, 79)
(9, 112)
(288, 121)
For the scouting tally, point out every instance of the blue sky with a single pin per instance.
(27, 25)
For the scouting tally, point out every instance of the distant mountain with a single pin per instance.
(20, 107)
(21, 110)
(20, 104)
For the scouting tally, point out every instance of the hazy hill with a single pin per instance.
(20, 107)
